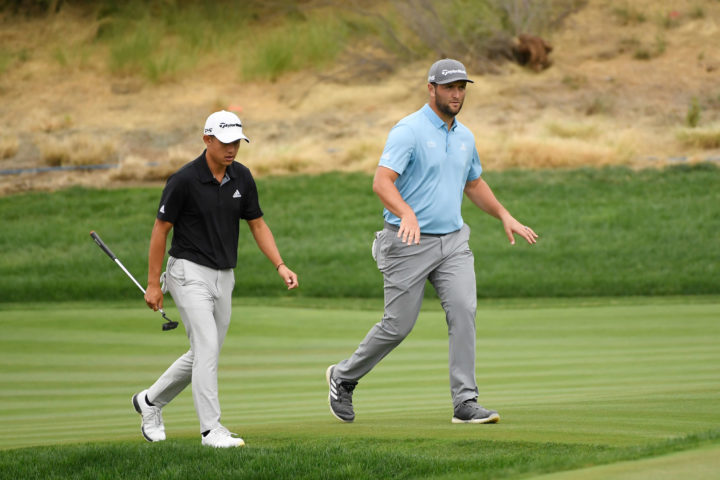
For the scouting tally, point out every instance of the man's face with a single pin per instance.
(449, 98)
(219, 153)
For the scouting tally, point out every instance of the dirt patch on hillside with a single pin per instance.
(616, 94)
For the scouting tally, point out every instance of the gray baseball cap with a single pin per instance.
(447, 70)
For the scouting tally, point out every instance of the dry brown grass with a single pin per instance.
(135, 168)
(558, 153)
(581, 130)
(597, 105)
(707, 138)
(8, 146)
(77, 150)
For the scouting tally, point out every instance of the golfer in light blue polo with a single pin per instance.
(429, 161)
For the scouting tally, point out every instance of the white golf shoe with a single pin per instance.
(151, 425)
(221, 437)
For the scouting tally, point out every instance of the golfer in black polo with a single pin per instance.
(204, 202)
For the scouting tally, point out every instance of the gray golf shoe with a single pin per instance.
(470, 412)
(340, 396)
(151, 425)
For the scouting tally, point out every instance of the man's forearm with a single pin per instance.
(384, 187)
(265, 240)
(479, 192)
(156, 254)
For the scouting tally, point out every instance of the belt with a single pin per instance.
(395, 228)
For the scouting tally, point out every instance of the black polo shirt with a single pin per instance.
(206, 214)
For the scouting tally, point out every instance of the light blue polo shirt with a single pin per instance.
(433, 166)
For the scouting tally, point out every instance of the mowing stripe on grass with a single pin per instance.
(581, 374)
(700, 464)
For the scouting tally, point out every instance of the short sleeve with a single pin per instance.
(475, 167)
(398, 148)
(172, 199)
(251, 208)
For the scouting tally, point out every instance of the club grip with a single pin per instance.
(102, 245)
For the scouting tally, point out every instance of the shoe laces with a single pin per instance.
(345, 391)
(155, 416)
(476, 407)
(470, 403)
(348, 386)
(221, 430)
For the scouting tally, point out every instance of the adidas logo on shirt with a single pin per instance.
(162, 208)
(237, 194)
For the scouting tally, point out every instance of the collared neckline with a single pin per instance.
(435, 119)
(206, 176)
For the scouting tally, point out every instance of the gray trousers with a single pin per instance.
(445, 260)
(203, 297)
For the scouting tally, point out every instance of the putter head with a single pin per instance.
(169, 325)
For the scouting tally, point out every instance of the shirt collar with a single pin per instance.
(435, 119)
(206, 175)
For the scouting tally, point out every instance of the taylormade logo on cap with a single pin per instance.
(225, 126)
(447, 71)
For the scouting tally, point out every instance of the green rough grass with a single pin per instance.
(603, 232)
(578, 383)
(362, 458)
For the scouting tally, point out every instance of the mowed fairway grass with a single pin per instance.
(603, 387)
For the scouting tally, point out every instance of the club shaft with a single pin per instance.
(117, 260)
(110, 254)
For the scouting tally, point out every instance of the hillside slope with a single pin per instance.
(619, 92)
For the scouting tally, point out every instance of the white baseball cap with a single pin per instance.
(225, 126)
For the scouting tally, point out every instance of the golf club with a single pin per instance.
(169, 325)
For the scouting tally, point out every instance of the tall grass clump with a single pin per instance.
(160, 40)
(643, 52)
(6, 59)
(145, 47)
(10, 58)
(692, 118)
(572, 130)
(295, 45)
(134, 53)
(78, 150)
(707, 138)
